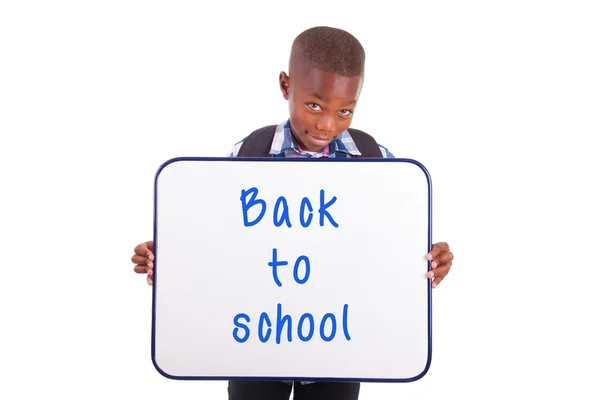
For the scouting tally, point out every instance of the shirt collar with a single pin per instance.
(284, 140)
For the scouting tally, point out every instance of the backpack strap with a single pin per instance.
(258, 143)
(366, 144)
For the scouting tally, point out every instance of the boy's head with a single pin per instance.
(326, 71)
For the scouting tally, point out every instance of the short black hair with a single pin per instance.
(328, 49)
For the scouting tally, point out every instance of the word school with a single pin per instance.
(273, 327)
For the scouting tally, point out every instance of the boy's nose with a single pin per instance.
(325, 124)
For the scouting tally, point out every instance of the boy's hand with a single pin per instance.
(441, 261)
(143, 259)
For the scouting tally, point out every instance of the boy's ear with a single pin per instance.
(284, 85)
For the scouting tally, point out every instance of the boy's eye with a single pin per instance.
(314, 106)
(346, 113)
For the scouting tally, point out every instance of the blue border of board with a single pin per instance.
(292, 378)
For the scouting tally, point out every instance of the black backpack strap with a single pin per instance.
(365, 143)
(258, 143)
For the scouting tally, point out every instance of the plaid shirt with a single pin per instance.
(284, 145)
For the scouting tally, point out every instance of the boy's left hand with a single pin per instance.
(441, 260)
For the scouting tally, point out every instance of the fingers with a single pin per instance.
(150, 277)
(143, 259)
(140, 269)
(437, 248)
(438, 275)
(145, 249)
(441, 260)
(144, 269)
(142, 264)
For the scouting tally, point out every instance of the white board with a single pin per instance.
(360, 262)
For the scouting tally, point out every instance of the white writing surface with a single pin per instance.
(292, 269)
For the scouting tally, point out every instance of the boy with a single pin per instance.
(326, 70)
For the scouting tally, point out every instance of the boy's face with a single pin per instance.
(321, 105)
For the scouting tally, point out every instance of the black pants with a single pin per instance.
(273, 390)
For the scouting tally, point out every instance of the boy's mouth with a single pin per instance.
(317, 137)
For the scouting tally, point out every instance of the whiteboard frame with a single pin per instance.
(294, 378)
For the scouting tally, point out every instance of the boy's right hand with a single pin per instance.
(143, 259)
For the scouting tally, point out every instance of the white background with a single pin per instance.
(500, 100)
